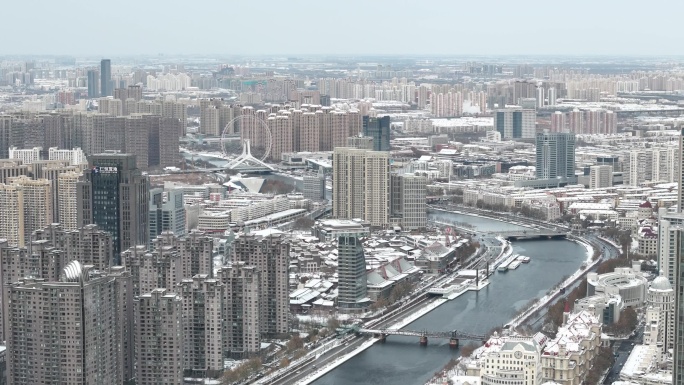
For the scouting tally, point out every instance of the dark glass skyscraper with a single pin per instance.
(353, 290)
(106, 78)
(114, 194)
(379, 130)
(93, 84)
(555, 155)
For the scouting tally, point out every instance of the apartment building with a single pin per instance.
(269, 252)
(72, 342)
(159, 338)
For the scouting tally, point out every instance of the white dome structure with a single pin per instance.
(661, 284)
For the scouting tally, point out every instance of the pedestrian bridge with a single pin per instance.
(453, 336)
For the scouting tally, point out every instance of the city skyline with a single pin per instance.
(432, 28)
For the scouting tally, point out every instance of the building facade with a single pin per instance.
(114, 194)
(353, 290)
(361, 185)
(159, 338)
(269, 253)
(555, 155)
(86, 337)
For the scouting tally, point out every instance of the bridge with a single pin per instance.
(247, 163)
(453, 336)
(531, 234)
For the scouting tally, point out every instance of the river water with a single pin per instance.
(401, 361)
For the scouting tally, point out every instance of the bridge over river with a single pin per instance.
(454, 335)
(518, 235)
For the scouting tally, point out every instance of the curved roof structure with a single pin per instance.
(661, 284)
(72, 272)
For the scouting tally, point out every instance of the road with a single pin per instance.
(623, 349)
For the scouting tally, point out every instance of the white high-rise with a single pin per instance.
(600, 176)
(26, 207)
(67, 200)
(361, 185)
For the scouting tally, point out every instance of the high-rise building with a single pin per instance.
(660, 314)
(657, 164)
(151, 269)
(678, 357)
(209, 121)
(195, 251)
(600, 176)
(352, 290)
(551, 95)
(26, 207)
(114, 194)
(361, 185)
(167, 213)
(555, 155)
(314, 186)
(89, 244)
(106, 88)
(203, 313)
(680, 176)
(379, 130)
(159, 338)
(269, 253)
(409, 201)
(93, 84)
(515, 123)
(76, 330)
(67, 201)
(360, 142)
(558, 122)
(242, 296)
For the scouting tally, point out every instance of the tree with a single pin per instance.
(285, 362)
(303, 223)
(467, 350)
(295, 343)
(333, 324)
(626, 324)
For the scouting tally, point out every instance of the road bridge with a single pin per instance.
(454, 335)
(531, 234)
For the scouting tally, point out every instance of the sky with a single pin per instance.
(344, 27)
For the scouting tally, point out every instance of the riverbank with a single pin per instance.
(543, 301)
(396, 325)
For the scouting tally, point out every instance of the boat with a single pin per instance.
(524, 259)
(514, 265)
(502, 268)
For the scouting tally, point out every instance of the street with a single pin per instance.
(622, 349)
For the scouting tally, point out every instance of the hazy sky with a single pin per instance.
(446, 27)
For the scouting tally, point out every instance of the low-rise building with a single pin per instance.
(567, 358)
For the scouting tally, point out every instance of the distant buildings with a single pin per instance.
(93, 84)
(106, 86)
(658, 164)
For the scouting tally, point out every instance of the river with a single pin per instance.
(401, 361)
